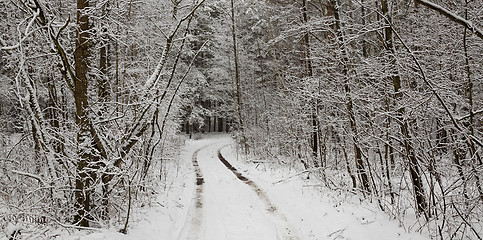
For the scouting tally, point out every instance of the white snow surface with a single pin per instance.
(226, 208)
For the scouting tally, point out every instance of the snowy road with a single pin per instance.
(206, 199)
(225, 206)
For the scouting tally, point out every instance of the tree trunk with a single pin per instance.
(334, 8)
(103, 96)
(353, 178)
(469, 93)
(388, 154)
(414, 170)
(82, 182)
(103, 83)
(237, 79)
(309, 73)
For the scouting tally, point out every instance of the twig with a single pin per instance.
(340, 231)
(19, 141)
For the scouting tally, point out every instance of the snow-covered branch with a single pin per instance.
(469, 115)
(27, 33)
(153, 79)
(453, 17)
(30, 175)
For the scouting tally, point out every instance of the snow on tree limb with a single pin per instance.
(454, 120)
(453, 17)
(153, 79)
(27, 33)
(31, 175)
(468, 115)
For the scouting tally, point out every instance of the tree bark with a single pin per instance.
(82, 182)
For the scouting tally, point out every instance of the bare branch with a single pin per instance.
(63, 56)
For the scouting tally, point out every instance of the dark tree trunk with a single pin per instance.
(414, 169)
(309, 73)
(237, 80)
(103, 79)
(83, 175)
(334, 9)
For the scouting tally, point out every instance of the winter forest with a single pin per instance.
(108, 109)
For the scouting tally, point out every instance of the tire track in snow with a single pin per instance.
(289, 234)
(191, 228)
(199, 180)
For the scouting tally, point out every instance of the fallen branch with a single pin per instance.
(298, 174)
(340, 231)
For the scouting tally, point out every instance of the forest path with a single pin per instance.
(227, 205)
(214, 194)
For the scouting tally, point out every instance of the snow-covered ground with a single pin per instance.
(207, 201)
(315, 212)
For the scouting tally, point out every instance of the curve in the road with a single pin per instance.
(271, 208)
